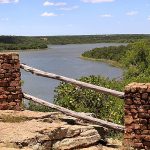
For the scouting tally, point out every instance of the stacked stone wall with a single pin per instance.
(137, 116)
(10, 82)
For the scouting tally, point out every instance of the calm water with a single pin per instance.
(63, 60)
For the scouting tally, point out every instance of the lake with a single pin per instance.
(63, 60)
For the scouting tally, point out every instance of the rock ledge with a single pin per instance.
(30, 130)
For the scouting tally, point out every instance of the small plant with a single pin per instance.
(37, 107)
(115, 135)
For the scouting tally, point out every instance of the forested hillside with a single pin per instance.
(118, 38)
(21, 43)
(134, 57)
(40, 42)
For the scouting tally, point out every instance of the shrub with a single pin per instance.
(85, 100)
(37, 107)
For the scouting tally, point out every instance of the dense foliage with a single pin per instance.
(121, 38)
(109, 53)
(21, 43)
(136, 60)
(84, 100)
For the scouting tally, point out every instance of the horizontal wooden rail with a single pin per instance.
(72, 81)
(90, 119)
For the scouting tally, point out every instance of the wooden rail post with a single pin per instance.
(10, 81)
(72, 81)
(137, 116)
(90, 119)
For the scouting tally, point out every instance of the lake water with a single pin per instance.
(63, 60)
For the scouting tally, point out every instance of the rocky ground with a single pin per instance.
(28, 130)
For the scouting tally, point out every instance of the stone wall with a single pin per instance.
(10, 81)
(137, 116)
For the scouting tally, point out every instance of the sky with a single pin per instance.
(74, 17)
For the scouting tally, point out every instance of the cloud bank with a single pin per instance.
(132, 13)
(106, 16)
(69, 8)
(46, 14)
(47, 3)
(9, 1)
(96, 1)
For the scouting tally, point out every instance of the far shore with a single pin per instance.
(110, 62)
(25, 50)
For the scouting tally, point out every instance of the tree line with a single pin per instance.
(41, 42)
(21, 43)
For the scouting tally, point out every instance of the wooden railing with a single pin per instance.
(72, 81)
(90, 119)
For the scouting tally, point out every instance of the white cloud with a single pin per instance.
(96, 1)
(132, 13)
(69, 8)
(47, 3)
(106, 16)
(9, 1)
(148, 18)
(46, 14)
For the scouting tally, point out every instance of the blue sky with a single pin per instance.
(74, 17)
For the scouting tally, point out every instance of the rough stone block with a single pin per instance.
(139, 118)
(10, 81)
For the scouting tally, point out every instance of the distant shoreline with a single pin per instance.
(26, 50)
(110, 62)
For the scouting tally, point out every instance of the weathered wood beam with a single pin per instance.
(90, 119)
(72, 81)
